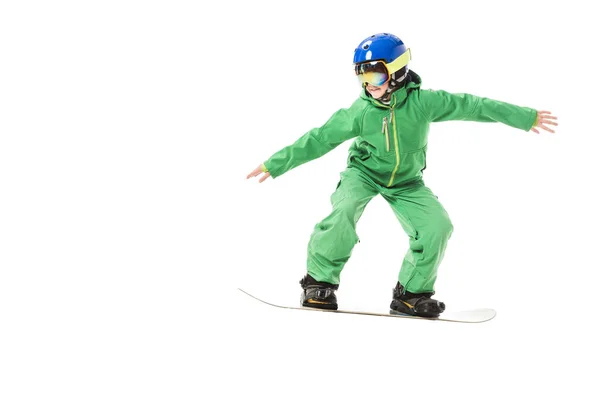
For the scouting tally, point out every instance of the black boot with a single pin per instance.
(415, 304)
(318, 294)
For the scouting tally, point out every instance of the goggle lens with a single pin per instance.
(375, 73)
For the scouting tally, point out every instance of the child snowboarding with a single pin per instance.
(390, 124)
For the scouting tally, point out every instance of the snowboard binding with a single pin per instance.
(415, 304)
(317, 294)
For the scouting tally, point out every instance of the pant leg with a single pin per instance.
(333, 239)
(429, 228)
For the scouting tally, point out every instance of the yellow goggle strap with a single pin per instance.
(399, 62)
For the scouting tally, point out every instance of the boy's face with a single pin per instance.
(377, 91)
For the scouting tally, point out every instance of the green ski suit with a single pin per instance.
(388, 158)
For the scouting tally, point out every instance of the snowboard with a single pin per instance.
(466, 316)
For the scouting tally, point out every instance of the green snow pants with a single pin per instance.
(421, 215)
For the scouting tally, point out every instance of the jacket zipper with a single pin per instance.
(393, 118)
(385, 131)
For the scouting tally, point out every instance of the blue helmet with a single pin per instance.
(382, 46)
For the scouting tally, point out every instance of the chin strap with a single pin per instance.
(396, 82)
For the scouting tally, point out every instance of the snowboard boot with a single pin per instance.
(415, 304)
(318, 294)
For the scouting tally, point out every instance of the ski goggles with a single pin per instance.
(378, 72)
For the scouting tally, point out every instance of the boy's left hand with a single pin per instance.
(543, 119)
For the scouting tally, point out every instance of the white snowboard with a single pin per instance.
(468, 316)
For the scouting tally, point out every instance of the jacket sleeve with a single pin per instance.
(439, 105)
(345, 124)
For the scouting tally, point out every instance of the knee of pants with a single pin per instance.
(347, 207)
(440, 229)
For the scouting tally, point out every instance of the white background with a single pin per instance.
(126, 223)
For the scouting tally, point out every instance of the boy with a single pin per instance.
(390, 122)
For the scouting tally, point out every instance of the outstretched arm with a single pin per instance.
(343, 125)
(438, 105)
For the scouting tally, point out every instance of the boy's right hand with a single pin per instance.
(258, 171)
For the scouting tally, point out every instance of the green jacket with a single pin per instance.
(391, 141)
